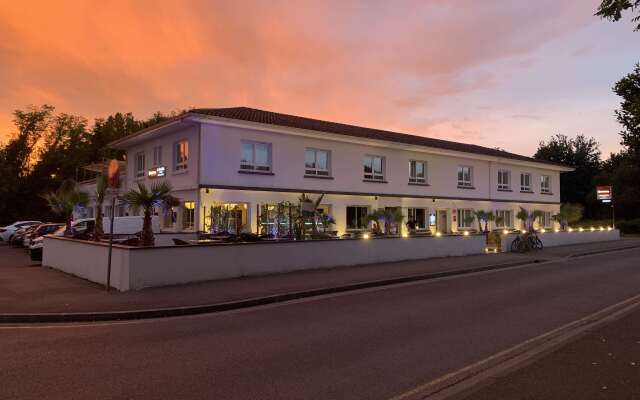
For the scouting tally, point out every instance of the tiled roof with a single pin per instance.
(292, 121)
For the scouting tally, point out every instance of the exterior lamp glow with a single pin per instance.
(506, 232)
(592, 229)
(601, 228)
(581, 229)
(524, 231)
(466, 233)
(543, 230)
(556, 230)
(609, 228)
(570, 229)
(365, 236)
(405, 234)
(438, 234)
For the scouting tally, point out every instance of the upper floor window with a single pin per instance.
(316, 162)
(157, 155)
(465, 175)
(374, 168)
(417, 172)
(525, 182)
(545, 184)
(181, 155)
(140, 167)
(504, 180)
(255, 156)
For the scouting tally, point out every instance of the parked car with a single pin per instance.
(18, 237)
(39, 231)
(36, 245)
(6, 232)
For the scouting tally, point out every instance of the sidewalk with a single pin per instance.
(28, 288)
(604, 364)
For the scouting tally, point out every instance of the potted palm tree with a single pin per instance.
(65, 199)
(102, 184)
(158, 195)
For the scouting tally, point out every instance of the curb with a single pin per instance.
(242, 304)
(593, 252)
(460, 384)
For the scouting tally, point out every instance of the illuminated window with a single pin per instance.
(316, 162)
(504, 180)
(189, 215)
(140, 168)
(465, 176)
(255, 156)
(181, 156)
(419, 217)
(417, 172)
(373, 168)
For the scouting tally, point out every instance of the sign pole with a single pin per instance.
(113, 175)
(113, 209)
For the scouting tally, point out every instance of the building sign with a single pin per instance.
(604, 193)
(157, 172)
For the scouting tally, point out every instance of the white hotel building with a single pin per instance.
(251, 160)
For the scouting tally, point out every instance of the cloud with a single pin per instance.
(527, 116)
(375, 63)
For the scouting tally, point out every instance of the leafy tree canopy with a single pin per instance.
(613, 9)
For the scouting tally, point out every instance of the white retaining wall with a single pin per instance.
(551, 239)
(139, 268)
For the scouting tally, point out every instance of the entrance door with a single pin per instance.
(442, 225)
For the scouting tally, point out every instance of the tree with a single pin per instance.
(570, 213)
(581, 153)
(65, 199)
(628, 88)
(612, 10)
(149, 198)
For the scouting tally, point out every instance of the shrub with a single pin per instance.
(630, 226)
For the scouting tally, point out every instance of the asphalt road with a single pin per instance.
(363, 345)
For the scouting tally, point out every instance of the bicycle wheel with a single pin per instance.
(515, 244)
(538, 243)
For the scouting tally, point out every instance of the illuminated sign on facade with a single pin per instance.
(157, 172)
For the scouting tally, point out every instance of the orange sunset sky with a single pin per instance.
(497, 73)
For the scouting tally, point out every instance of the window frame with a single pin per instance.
(412, 212)
(140, 173)
(359, 226)
(180, 165)
(315, 171)
(375, 176)
(252, 166)
(501, 174)
(504, 224)
(546, 189)
(545, 220)
(463, 183)
(525, 188)
(414, 179)
(461, 223)
(157, 156)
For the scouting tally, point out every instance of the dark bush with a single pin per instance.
(630, 226)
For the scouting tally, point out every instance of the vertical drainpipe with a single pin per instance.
(490, 187)
(198, 196)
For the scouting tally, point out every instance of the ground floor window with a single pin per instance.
(419, 217)
(170, 218)
(189, 215)
(504, 218)
(356, 217)
(545, 219)
(225, 218)
(465, 218)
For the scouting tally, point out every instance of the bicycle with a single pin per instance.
(526, 242)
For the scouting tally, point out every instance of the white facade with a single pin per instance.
(275, 172)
